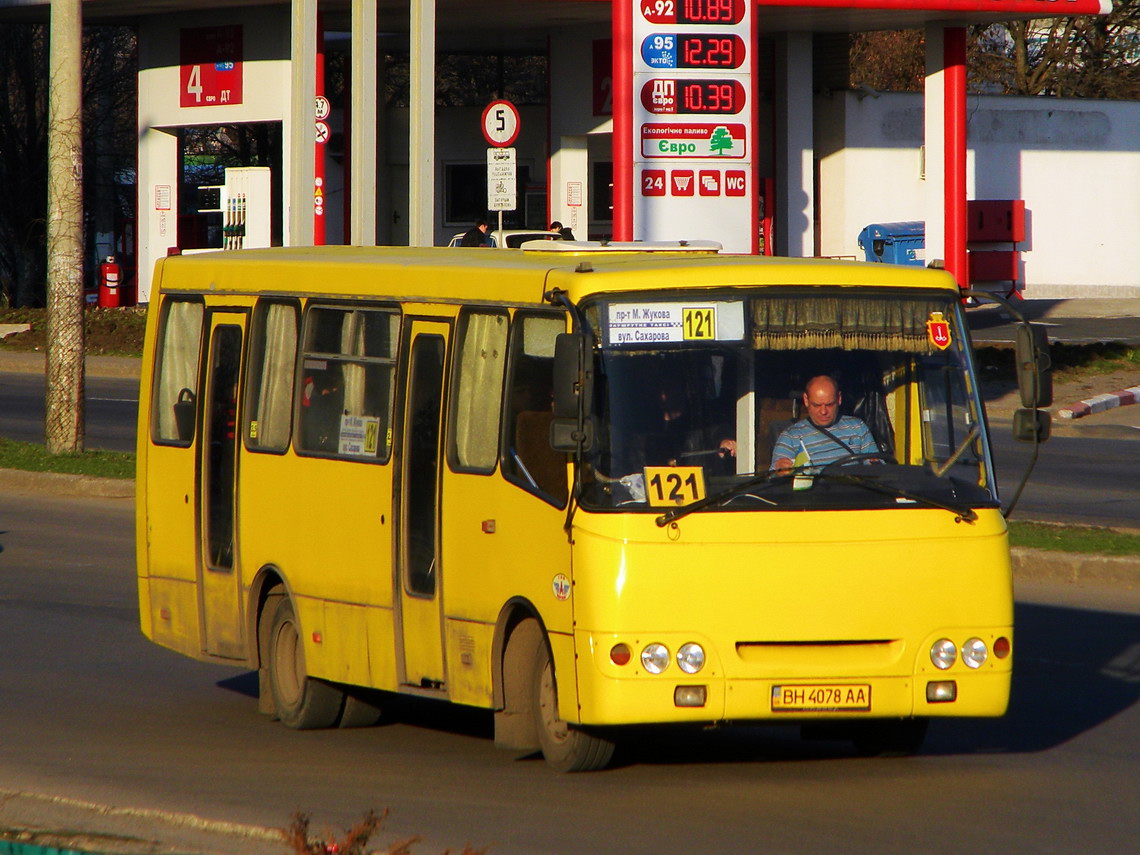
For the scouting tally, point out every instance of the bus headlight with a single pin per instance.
(943, 653)
(975, 653)
(691, 657)
(655, 658)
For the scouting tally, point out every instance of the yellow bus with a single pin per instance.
(540, 482)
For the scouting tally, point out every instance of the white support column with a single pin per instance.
(795, 193)
(421, 154)
(157, 197)
(935, 144)
(362, 145)
(298, 167)
(570, 182)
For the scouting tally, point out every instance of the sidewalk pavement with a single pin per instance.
(57, 824)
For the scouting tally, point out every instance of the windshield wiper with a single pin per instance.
(962, 512)
(723, 496)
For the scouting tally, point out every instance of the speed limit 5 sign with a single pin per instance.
(500, 123)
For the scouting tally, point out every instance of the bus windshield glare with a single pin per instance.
(693, 395)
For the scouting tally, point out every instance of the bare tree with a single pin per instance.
(1082, 57)
(889, 60)
(23, 163)
(109, 69)
(64, 402)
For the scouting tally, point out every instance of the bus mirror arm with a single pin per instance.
(1034, 382)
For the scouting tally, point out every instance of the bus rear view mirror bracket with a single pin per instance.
(566, 437)
(572, 377)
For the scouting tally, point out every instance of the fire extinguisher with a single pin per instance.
(110, 278)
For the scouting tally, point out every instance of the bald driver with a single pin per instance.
(824, 434)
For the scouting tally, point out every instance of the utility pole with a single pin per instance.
(64, 427)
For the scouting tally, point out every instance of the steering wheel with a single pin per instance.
(848, 459)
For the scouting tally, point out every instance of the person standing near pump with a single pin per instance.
(476, 235)
(824, 435)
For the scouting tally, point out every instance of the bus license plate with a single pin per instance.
(822, 698)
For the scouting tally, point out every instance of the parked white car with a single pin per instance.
(513, 238)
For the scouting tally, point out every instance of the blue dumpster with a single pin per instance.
(895, 243)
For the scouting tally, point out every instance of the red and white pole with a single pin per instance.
(954, 104)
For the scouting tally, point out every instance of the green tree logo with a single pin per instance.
(721, 140)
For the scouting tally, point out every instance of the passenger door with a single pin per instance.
(218, 576)
(418, 569)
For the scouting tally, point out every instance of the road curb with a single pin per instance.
(50, 822)
(1100, 403)
(62, 484)
(1074, 567)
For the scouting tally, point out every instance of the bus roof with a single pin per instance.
(515, 277)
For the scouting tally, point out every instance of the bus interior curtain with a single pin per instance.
(481, 383)
(846, 323)
(276, 393)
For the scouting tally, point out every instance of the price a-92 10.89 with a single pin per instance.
(693, 11)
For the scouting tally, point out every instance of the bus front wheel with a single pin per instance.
(565, 748)
(302, 702)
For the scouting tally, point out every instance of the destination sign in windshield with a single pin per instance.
(640, 324)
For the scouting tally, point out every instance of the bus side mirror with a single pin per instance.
(572, 376)
(1031, 425)
(1034, 366)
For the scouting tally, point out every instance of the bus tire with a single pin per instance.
(900, 738)
(302, 702)
(361, 709)
(565, 748)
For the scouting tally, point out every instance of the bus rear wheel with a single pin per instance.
(565, 748)
(301, 702)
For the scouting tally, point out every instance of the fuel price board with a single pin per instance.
(693, 122)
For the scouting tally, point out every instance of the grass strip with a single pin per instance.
(1073, 538)
(33, 457)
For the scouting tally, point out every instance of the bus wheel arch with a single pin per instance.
(265, 593)
(518, 634)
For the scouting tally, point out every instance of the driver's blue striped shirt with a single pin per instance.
(820, 447)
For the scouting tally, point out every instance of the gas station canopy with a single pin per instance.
(510, 24)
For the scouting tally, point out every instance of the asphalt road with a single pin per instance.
(1090, 480)
(93, 712)
(111, 402)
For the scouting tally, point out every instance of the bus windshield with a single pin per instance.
(785, 399)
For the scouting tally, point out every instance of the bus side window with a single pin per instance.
(476, 405)
(176, 380)
(348, 360)
(273, 362)
(527, 459)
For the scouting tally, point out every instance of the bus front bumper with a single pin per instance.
(709, 696)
